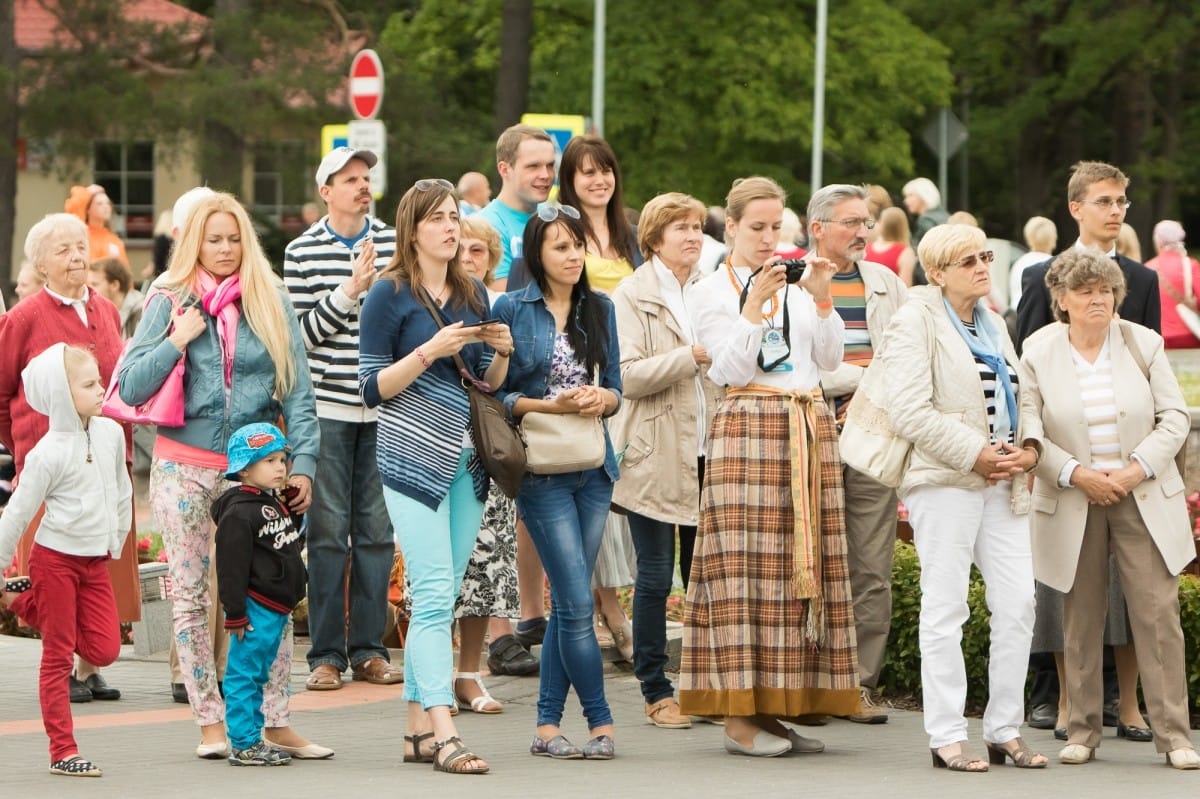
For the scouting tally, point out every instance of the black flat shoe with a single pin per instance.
(179, 693)
(100, 689)
(1060, 733)
(79, 692)
(1132, 733)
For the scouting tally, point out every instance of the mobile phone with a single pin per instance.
(484, 323)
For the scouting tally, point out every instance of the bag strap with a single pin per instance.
(1134, 349)
(458, 361)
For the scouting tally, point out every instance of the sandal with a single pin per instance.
(456, 761)
(417, 756)
(325, 677)
(958, 762)
(75, 766)
(484, 704)
(1022, 756)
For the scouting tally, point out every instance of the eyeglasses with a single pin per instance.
(548, 212)
(972, 260)
(853, 223)
(429, 184)
(1110, 203)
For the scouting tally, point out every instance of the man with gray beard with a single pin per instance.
(865, 295)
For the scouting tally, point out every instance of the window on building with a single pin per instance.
(282, 176)
(126, 171)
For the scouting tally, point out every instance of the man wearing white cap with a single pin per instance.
(1178, 282)
(328, 269)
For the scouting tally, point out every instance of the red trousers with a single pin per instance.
(71, 604)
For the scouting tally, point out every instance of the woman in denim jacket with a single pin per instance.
(221, 308)
(564, 336)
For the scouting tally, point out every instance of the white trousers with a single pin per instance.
(953, 528)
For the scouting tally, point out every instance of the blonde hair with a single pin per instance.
(1041, 234)
(262, 304)
(745, 191)
(1128, 243)
(1075, 269)
(893, 225)
(1085, 173)
(661, 212)
(940, 246)
(476, 227)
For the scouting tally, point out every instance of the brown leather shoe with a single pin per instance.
(665, 713)
(325, 677)
(378, 671)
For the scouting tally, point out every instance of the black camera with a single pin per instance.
(795, 268)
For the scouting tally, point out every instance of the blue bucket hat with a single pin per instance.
(250, 444)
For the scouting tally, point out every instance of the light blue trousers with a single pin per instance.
(437, 546)
(247, 671)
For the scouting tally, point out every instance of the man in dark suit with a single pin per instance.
(1096, 196)
(1098, 202)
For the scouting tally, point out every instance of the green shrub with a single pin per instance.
(901, 673)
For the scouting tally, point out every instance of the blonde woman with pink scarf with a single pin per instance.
(220, 307)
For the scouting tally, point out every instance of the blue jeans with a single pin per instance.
(347, 517)
(565, 514)
(654, 543)
(437, 546)
(248, 670)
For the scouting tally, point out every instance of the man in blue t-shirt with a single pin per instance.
(525, 161)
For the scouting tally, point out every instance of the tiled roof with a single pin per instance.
(36, 26)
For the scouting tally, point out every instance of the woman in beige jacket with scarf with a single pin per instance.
(953, 388)
(1105, 407)
(661, 429)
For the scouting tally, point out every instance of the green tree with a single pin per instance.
(1050, 83)
(697, 93)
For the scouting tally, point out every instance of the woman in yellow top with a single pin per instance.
(589, 178)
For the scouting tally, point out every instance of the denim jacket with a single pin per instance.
(211, 414)
(533, 330)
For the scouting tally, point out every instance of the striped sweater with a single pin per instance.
(315, 264)
(421, 429)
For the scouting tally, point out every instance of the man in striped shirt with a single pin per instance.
(328, 270)
(865, 295)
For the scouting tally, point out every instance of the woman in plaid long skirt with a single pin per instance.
(768, 628)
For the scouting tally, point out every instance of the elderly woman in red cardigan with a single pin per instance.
(63, 310)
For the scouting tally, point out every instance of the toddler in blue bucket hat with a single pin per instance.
(260, 579)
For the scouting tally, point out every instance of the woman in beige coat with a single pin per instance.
(953, 391)
(1109, 416)
(661, 429)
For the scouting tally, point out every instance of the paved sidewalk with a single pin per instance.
(145, 745)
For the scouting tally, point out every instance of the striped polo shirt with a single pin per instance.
(850, 302)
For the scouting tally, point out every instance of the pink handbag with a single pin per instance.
(165, 408)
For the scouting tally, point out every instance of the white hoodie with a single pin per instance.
(88, 505)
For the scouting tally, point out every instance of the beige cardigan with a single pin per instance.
(1152, 420)
(936, 400)
(656, 425)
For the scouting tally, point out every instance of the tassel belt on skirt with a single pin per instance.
(768, 623)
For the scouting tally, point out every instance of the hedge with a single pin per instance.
(901, 673)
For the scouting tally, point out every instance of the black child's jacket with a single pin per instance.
(258, 553)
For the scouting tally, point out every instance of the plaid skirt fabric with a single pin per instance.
(744, 645)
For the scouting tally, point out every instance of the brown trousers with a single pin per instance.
(1152, 598)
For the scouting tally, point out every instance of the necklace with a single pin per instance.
(438, 297)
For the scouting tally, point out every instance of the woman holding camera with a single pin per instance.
(768, 630)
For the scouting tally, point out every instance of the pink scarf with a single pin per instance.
(220, 300)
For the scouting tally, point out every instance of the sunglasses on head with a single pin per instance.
(429, 184)
(548, 212)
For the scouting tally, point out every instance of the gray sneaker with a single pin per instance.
(259, 754)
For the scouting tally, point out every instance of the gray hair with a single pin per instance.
(825, 198)
(51, 225)
(926, 190)
(184, 206)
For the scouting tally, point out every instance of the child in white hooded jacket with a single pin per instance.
(78, 470)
